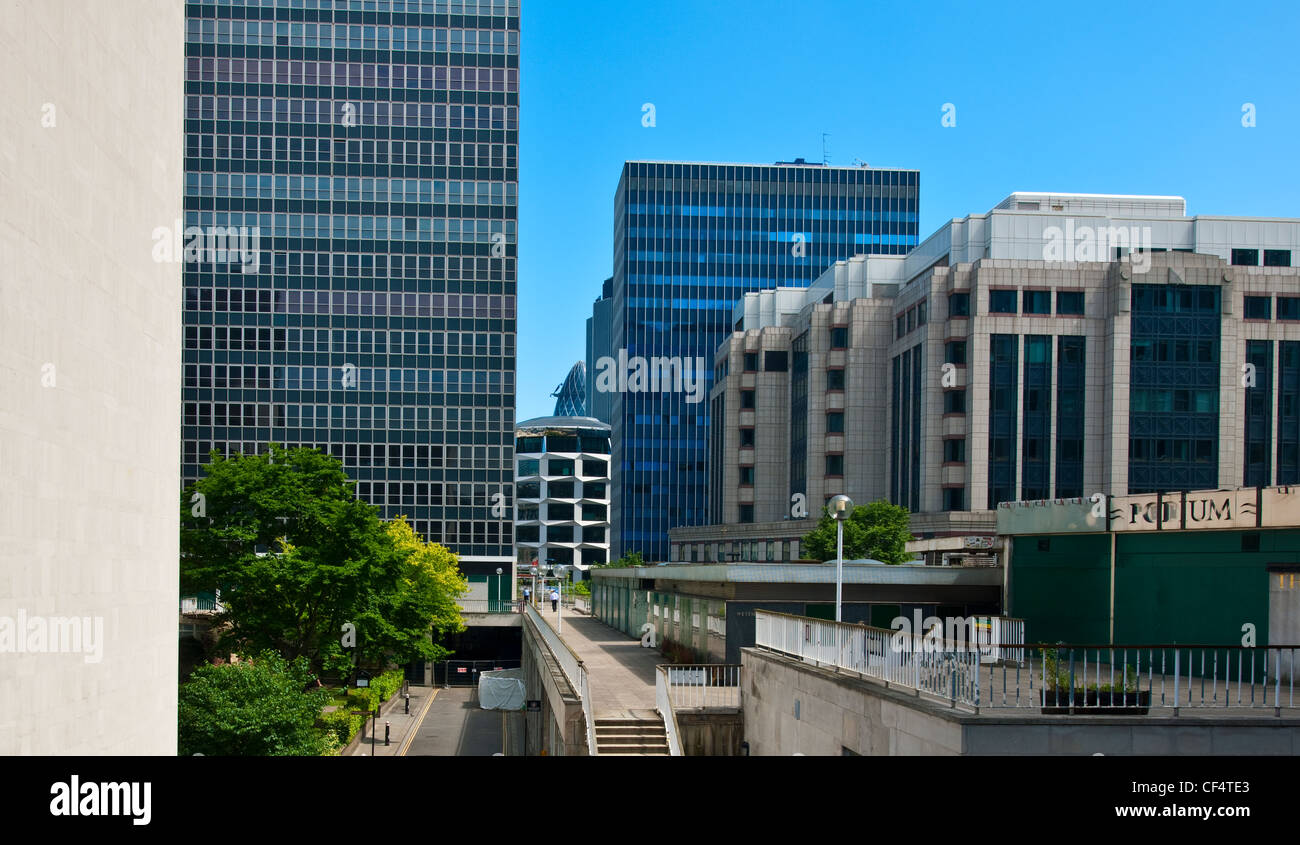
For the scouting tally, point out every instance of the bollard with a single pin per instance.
(387, 726)
(408, 704)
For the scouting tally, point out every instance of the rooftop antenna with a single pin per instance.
(860, 163)
(826, 153)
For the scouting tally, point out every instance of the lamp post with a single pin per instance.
(840, 507)
(501, 602)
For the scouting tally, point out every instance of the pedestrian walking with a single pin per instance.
(527, 594)
(555, 599)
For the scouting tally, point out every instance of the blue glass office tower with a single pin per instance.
(689, 240)
(370, 149)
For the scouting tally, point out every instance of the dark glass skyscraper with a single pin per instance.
(689, 240)
(365, 151)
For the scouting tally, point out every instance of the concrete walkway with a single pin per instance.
(621, 672)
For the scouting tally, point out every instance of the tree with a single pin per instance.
(878, 531)
(252, 708)
(297, 557)
(627, 560)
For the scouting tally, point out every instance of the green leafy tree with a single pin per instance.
(253, 708)
(398, 621)
(878, 531)
(627, 560)
(297, 557)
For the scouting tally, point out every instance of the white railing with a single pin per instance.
(664, 703)
(572, 666)
(702, 684)
(900, 659)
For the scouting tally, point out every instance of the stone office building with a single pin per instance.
(1057, 346)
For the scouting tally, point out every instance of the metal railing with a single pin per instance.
(1107, 678)
(892, 656)
(664, 704)
(1060, 678)
(572, 667)
(200, 604)
(489, 605)
(702, 684)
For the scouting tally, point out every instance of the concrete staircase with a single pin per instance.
(631, 736)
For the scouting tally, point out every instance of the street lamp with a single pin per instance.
(500, 601)
(840, 507)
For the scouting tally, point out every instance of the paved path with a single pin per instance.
(622, 673)
(455, 727)
(400, 726)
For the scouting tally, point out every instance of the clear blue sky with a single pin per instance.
(1122, 98)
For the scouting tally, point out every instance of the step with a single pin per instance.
(630, 731)
(632, 749)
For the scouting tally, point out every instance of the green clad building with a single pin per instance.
(1195, 568)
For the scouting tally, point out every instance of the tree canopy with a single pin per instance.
(252, 708)
(297, 557)
(878, 531)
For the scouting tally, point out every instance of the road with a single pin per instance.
(456, 727)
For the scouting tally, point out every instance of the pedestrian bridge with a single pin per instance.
(601, 692)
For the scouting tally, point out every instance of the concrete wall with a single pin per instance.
(90, 371)
(560, 728)
(711, 733)
(790, 707)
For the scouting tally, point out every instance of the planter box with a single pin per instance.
(1096, 702)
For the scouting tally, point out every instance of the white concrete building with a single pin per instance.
(90, 376)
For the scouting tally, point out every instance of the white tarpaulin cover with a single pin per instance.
(501, 690)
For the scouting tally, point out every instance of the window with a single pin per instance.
(747, 437)
(747, 476)
(1259, 308)
(834, 379)
(1277, 258)
(955, 352)
(835, 422)
(959, 305)
(1038, 302)
(954, 451)
(594, 513)
(954, 402)
(954, 498)
(840, 337)
(556, 466)
(776, 362)
(1069, 302)
(1002, 302)
(900, 326)
(559, 490)
(747, 399)
(921, 313)
(746, 513)
(593, 490)
(528, 490)
(834, 464)
(528, 467)
(593, 534)
(529, 444)
(751, 362)
(1245, 257)
(599, 469)
(1288, 307)
(556, 510)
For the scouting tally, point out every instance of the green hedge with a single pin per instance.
(342, 723)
